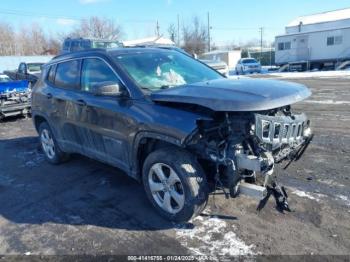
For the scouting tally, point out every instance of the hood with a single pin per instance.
(235, 95)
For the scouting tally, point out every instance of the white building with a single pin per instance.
(316, 41)
(155, 40)
(230, 57)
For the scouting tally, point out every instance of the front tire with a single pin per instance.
(49, 146)
(175, 184)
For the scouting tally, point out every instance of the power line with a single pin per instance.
(241, 28)
(51, 16)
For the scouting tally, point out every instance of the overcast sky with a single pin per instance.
(231, 21)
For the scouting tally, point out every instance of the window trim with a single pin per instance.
(332, 42)
(52, 67)
(84, 57)
(335, 38)
(79, 71)
(283, 45)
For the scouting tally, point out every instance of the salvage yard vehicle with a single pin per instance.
(77, 44)
(171, 122)
(26, 71)
(14, 97)
(219, 66)
(248, 66)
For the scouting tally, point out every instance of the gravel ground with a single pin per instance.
(85, 207)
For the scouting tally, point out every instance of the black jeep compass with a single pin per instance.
(171, 122)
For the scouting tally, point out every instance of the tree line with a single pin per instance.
(32, 40)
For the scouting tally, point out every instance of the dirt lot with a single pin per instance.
(85, 207)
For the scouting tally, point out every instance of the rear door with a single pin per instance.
(67, 103)
(104, 123)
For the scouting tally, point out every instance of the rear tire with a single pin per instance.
(175, 184)
(52, 152)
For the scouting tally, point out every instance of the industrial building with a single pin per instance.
(319, 41)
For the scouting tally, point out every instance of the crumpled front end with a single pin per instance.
(243, 148)
(15, 103)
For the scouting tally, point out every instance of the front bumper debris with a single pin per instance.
(14, 103)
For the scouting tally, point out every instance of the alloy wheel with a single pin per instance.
(166, 188)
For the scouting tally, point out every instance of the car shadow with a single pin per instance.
(79, 192)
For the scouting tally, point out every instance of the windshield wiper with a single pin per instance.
(145, 88)
(166, 86)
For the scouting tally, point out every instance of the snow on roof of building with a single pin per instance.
(149, 40)
(335, 15)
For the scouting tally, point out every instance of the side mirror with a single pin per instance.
(108, 89)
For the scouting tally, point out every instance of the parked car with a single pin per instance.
(14, 97)
(26, 71)
(171, 122)
(219, 66)
(76, 44)
(248, 66)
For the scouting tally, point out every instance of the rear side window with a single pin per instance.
(94, 72)
(85, 44)
(51, 74)
(75, 46)
(67, 74)
(66, 45)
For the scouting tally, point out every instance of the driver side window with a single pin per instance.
(22, 67)
(94, 72)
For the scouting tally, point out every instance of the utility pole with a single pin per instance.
(208, 33)
(157, 28)
(178, 30)
(261, 42)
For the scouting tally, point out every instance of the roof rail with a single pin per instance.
(80, 51)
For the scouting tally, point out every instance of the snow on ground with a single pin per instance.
(212, 236)
(327, 102)
(345, 199)
(318, 74)
(308, 195)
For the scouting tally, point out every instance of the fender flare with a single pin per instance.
(135, 169)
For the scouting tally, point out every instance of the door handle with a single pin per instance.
(48, 95)
(80, 102)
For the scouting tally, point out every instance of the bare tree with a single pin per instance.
(195, 37)
(31, 40)
(172, 32)
(98, 28)
(7, 46)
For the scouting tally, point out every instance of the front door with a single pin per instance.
(302, 50)
(104, 125)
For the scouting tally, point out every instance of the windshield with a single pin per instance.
(34, 67)
(105, 44)
(249, 61)
(4, 79)
(165, 69)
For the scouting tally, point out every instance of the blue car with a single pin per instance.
(14, 97)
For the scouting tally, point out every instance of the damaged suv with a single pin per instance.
(171, 122)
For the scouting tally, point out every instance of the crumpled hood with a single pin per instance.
(235, 95)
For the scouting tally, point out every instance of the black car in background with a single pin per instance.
(77, 44)
(169, 121)
(26, 71)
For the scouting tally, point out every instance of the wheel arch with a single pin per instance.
(144, 144)
(38, 120)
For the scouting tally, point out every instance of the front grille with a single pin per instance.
(280, 129)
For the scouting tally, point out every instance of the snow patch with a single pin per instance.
(319, 74)
(327, 102)
(304, 194)
(213, 236)
(344, 198)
